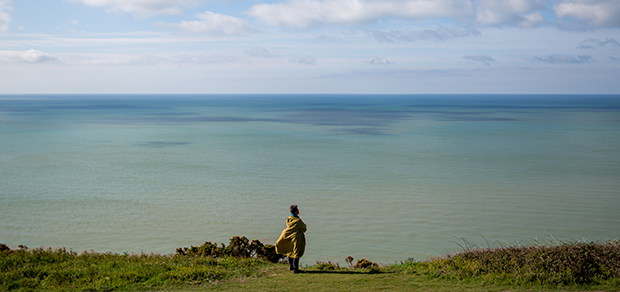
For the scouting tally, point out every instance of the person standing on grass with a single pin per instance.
(292, 241)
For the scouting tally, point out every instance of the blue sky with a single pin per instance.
(310, 46)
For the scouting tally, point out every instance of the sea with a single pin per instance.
(389, 178)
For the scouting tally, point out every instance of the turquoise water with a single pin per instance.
(382, 177)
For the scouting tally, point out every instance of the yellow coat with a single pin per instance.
(292, 241)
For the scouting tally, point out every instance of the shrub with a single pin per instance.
(365, 264)
(239, 247)
(207, 249)
(326, 266)
(568, 264)
(268, 253)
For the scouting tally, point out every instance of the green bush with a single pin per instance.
(365, 264)
(568, 264)
(268, 252)
(326, 266)
(239, 247)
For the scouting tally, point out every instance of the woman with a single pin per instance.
(292, 241)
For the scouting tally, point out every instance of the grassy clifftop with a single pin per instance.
(570, 266)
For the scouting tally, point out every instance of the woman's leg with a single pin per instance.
(291, 263)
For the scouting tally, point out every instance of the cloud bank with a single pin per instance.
(380, 61)
(144, 7)
(441, 33)
(564, 59)
(111, 60)
(258, 51)
(203, 60)
(147, 60)
(594, 44)
(29, 56)
(5, 18)
(303, 60)
(524, 13)
(307, 13)
(480, 58)
(605, 13)
(215, 23)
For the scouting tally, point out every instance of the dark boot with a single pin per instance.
(296, 266)
(291, 264)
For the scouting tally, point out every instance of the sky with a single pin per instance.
(310, 46)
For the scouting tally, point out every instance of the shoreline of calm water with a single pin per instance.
(570, 266)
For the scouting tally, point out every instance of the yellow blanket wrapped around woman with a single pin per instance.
(292, 241)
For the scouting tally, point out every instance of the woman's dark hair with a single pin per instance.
(294, 209)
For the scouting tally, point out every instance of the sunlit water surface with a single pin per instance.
(382, 177)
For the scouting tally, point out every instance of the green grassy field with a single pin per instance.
(280, 279)
(566, 267)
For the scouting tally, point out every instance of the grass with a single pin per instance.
(566, 267)
(47, 269)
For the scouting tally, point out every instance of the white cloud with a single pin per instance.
(487, 60)
(328, 37)
(594, 44)
(306, 13)
(259, 52)
(564, 59)
(203, 60)
(86, 61)
(441, 33)
(29, 56)
(144, 7)
(303, 60)
(511, 12)
(5, 17)
(604, 13)
(380, 61)
(122, 60)
(215, 23)
(532, 19)
(112, 60)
